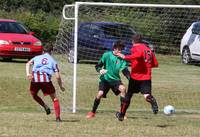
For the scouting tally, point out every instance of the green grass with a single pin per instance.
(173, 83)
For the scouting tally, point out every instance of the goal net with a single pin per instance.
(89, 29)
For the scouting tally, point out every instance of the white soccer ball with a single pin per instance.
(169, 110)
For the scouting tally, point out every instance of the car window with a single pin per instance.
(118, 31)
(84, 30)
(196, 29)
(96, 31)
(90, 30)
(12, 27)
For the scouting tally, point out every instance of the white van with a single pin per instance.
(190, 44)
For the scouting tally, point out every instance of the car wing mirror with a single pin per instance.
(31, 33)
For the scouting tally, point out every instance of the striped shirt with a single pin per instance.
(43, 68)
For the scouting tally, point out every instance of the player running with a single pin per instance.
(43, 67)
(109, 66)
(142, 61)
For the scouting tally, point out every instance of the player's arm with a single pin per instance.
(154, 61)
(135, 54)
(28, 66)
(59, 80)
(99, 66)
(58, 77)
(125, 70)
(126, 73)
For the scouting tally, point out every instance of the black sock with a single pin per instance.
(124, 106)
(121, 100)
(95, 105)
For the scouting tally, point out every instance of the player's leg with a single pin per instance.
(56, 106)
(96, 103)
(149, 98)
(122, 89)
(146, 91)
(34, 88)
(103, 90)
(48, 89)
(126, 100)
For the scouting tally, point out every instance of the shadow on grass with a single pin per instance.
(164, 126)
(14, 61)
(138, 117)
(65, 120)
(88, 62)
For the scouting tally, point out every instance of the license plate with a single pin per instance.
(22, 49)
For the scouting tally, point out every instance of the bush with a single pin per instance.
(44, 25)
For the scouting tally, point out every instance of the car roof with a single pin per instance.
(104, 23)
(7, 20)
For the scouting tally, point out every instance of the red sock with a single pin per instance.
(56, 108)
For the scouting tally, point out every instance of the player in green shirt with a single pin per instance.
(109, 66)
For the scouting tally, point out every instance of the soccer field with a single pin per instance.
(173, 83)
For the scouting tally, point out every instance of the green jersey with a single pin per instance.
(113, 65)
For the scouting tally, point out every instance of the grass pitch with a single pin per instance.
(21, 117)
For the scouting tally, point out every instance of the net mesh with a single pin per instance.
(163, 27)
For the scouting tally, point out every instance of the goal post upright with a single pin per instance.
(76, 6)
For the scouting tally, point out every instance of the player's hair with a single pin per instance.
(119, 45)
(48, 47)
(137, 38)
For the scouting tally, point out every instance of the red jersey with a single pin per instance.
(142, 61)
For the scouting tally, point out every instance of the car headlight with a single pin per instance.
(4, 42)
(38, 43)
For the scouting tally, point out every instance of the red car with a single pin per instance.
(17, 42)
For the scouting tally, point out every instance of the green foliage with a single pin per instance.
(43, 24)
(43, 17)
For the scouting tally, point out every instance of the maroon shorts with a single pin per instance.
(46, 87)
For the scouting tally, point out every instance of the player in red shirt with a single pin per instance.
(142, 61)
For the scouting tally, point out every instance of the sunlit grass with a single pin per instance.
(173, 83)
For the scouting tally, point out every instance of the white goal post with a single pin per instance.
(162, 25)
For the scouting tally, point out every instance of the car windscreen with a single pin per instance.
(12, 27)
(196, 28)
(117, 31)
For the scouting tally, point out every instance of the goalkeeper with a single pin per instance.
(109, 67)
(142, 61)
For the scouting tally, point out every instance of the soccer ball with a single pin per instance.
(169, 110)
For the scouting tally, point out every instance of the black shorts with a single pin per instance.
(142, 86)
(106, 86)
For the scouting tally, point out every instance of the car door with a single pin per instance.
(89, 41)
(195, 45)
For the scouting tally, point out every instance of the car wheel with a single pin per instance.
(7, 59)
(71, 56)
(186, 57)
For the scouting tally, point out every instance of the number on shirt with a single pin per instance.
(44, 61)
(147, 56)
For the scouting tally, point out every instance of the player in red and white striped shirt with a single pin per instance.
(43, 67)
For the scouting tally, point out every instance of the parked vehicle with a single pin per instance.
(17, 42)
(94, 38)
(190, 44)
